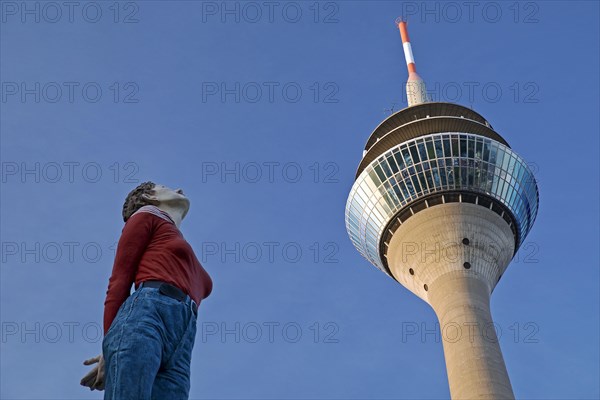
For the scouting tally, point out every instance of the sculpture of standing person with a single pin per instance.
(149, 335)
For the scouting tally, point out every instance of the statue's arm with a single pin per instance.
(133, 242)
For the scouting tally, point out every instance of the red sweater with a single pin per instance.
(151, 247)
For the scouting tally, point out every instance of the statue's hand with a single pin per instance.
(95, 378)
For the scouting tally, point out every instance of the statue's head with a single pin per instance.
(149, 193)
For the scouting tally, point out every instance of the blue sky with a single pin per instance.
(260, 114)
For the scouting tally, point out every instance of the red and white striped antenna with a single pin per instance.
(416, 93)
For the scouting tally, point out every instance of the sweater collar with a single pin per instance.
(156, 211)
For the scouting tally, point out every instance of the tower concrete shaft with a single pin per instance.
(452, 256)
(474, 361)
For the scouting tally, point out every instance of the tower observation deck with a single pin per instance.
(441, 204)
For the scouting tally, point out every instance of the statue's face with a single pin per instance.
(171, 197)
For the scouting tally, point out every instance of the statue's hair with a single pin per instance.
(134, 200)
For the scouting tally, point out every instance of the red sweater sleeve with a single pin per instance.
(136, 236)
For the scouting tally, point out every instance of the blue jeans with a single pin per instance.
(148, 348)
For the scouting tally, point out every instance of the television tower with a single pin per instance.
(441, 204)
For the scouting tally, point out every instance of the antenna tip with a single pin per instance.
(399, 20)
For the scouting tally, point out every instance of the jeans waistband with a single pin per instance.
(171, 291)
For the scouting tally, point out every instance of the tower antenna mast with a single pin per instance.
(416, 93)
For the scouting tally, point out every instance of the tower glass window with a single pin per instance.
(421, 167)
